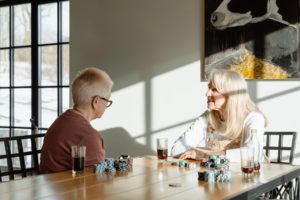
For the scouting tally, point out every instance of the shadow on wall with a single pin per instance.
(119, 142)
(135, 40)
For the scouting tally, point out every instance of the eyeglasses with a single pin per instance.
(109, 102)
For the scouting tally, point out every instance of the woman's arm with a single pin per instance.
(193, 137)
(199, 154)
(253, 121)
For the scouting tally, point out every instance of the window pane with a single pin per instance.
(14, 146)
(39, 143)
(20, 132)
(285, 155)
(274, 140)
(49, 106)
(65, 21)
(28, 161)
(48, 62)
(4, 107)
(22, 110)
(4, 132)
(273, 155)
(3, 162)
(4, 30)
(66, 98)
(48, 23)
(22, 62)
(22, 24)
(16, 162)
(287, 141)
(66, 65)
(4, 68)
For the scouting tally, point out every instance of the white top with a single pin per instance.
(195, 136)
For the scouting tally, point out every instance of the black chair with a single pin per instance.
(289, 189)
(280, 147)
(18, 150)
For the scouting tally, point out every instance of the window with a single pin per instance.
(34, 64)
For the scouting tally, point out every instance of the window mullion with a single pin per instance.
(11, 73)
(59, 58)
(35, 97)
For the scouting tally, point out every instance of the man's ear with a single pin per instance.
(94, 101)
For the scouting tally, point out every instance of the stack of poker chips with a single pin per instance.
(183, 163)
(224, 176)
(208, 176)
(214, 175)
(121, 164)
(111, 165)
(218, 165)
(202, 176)
(100, 167)
(216, 161)
(106, 165)
(128, 158)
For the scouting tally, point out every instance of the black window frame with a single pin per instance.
(35, 62)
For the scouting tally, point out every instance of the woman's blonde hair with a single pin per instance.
(238, 104)
(88, 83)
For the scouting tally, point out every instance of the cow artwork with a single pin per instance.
(223, 18)
(258, 38)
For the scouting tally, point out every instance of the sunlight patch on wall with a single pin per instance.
(286, 96)
(127, 111)
(177, 96)
(141, 140)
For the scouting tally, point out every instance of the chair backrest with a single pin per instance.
(280, 147)
(21, 154)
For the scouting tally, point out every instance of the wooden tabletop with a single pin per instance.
(149, 179)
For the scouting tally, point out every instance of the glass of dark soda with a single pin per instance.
(78, 157)
(162, 148)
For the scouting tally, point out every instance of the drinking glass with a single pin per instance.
(78, 157)
(162, 148)
(247, 160)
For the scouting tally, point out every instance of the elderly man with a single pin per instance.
(91, 90)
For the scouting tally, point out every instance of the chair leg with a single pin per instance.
(290, 189)
(297, 188)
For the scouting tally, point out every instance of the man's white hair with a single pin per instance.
(88, 83)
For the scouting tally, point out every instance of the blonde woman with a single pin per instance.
(91, 91)
(230, 114)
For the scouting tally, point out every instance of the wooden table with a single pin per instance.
(149, 180)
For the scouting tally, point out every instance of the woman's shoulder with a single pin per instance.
(204, 116)
(254, 116)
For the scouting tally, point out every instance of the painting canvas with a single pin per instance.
(258, 38)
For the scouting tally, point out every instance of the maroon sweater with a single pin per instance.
(69, 129)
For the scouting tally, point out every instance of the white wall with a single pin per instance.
(153, 50)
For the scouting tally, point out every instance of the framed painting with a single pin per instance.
(258, 38)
